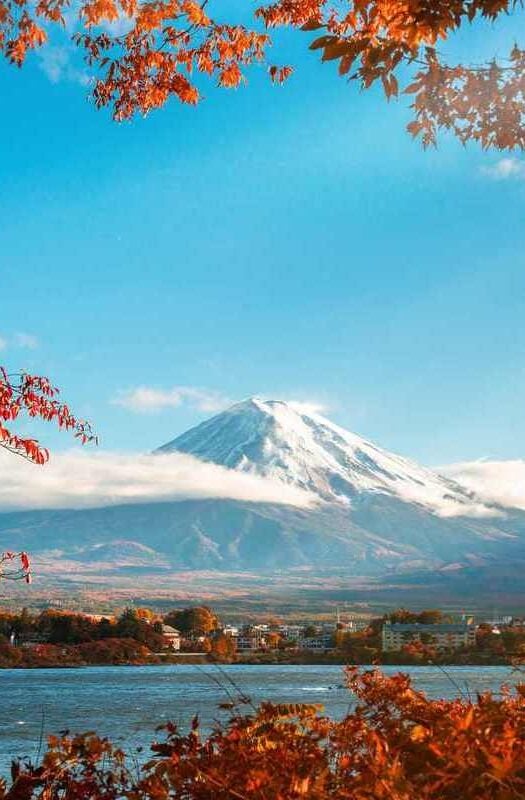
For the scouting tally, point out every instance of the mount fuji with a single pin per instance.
(293, 445)
(366, 512)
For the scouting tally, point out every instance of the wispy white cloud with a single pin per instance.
(53, 61)
(80, 479)
(26, 340)
(147, 399)
(501, 482)
(63, 61)
(59, 63)
(505, 168)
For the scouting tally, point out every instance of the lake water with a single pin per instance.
(127, 703)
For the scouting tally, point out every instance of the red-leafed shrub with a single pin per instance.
(395, 745)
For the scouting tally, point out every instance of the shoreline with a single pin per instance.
(195, 660)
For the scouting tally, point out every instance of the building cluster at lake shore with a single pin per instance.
(141, 636)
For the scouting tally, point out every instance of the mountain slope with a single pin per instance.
(279, 440)
(380, 534)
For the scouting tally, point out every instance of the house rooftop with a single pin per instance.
(168, 629)
(439, 627)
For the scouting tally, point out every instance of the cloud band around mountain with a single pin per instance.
(77, 479)
(500, 482)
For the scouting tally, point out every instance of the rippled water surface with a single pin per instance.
(127, 703)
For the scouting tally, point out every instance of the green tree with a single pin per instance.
(402, 615)
(131, 626)
(310, 632)
(432, 616)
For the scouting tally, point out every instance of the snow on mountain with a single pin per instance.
(283, 442)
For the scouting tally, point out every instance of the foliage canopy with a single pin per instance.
(143, 52)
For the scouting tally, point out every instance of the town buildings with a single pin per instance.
(441, 636)
(252, 637)
(320, 643)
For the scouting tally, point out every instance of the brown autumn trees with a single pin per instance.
(143, 52)
(195, 620)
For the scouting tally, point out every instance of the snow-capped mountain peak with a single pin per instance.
(283, 441)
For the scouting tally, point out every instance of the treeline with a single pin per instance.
(59, 627)
(105, 651)
(138, 636)
(58, 638)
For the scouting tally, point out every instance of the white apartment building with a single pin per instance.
(442, 636)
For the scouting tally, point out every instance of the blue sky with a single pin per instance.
(288, 242)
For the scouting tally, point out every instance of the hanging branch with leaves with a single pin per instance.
(34, 396)
(167, 44)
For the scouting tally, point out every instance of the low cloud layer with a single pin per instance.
(148, 400)
(77, 479)
(501, 482)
